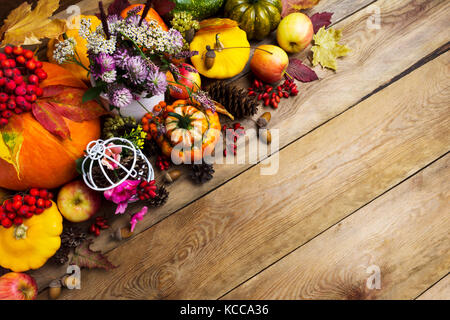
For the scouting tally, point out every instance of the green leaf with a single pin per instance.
(92, 93)
(84, 257)
(79, 163)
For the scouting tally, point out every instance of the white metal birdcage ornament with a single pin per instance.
(96, 151)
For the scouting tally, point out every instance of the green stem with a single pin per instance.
(136, 45)
(75, 61)
(250, 47)
(143, 106)
(183, 122)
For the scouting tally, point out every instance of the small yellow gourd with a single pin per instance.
(226, 42)
(31, 244)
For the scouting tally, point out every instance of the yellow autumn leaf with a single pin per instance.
(327, 49)
(24, 26)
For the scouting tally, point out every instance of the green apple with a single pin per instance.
(77, 202)
(295, 32)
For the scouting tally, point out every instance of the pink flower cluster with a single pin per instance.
(122, 194)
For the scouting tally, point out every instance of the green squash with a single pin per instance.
(199, 9)
(256, 17)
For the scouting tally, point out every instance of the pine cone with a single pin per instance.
(151, 148)
(72, 237)
(235, 99)
(61, 256)
(202, 173)
(161, 197)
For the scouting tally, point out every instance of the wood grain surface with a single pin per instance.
(403, 234)
(439, 291)
(228, 236)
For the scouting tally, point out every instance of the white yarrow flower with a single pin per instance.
(64, 50)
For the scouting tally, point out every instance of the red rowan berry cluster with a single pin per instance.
(99, 223)
(271, 95)
(20, 74)
(24, 206)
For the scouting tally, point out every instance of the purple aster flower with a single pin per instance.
(102, 63)
(151, 66)
(119, 96)
(120, 57)
(136, 69)
(185, 54)
(176, 39)
(134, 19)
(105, 62)
(176, 89)
(109, 76)
(174, 70)
(156, 83)
(112, 22)
(203, 98)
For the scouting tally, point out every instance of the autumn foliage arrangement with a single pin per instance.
(66, 145)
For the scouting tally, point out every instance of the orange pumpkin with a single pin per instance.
(151, 15)
(45, 160)
(191, 133)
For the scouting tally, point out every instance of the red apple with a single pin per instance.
(77, 202)
(17, 286)
(295, 32)
(188, 77)
(269, 63)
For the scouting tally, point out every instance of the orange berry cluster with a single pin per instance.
(152, 120)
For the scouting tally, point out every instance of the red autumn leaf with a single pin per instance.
(50, 119)
(52, 90)
(85, 257)
(322, 19)
(117, 7)
(301, 72)
(290, 6)
(67, 101)
(163, 7)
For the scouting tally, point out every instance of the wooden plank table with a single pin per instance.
(363, 184)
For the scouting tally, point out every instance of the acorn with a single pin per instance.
(265, 136)
(54, 290)
(189, 35)
(210, 57)
(171, 176)
(122, 233)
(264, 120)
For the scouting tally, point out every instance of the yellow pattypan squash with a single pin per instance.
(80, 49)
(230, 44)
(31, 244)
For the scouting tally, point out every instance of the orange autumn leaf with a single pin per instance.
(290, 6)
(57, 75)
(48, 116)
(216, 25)
(68, 102)
(24, 26)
